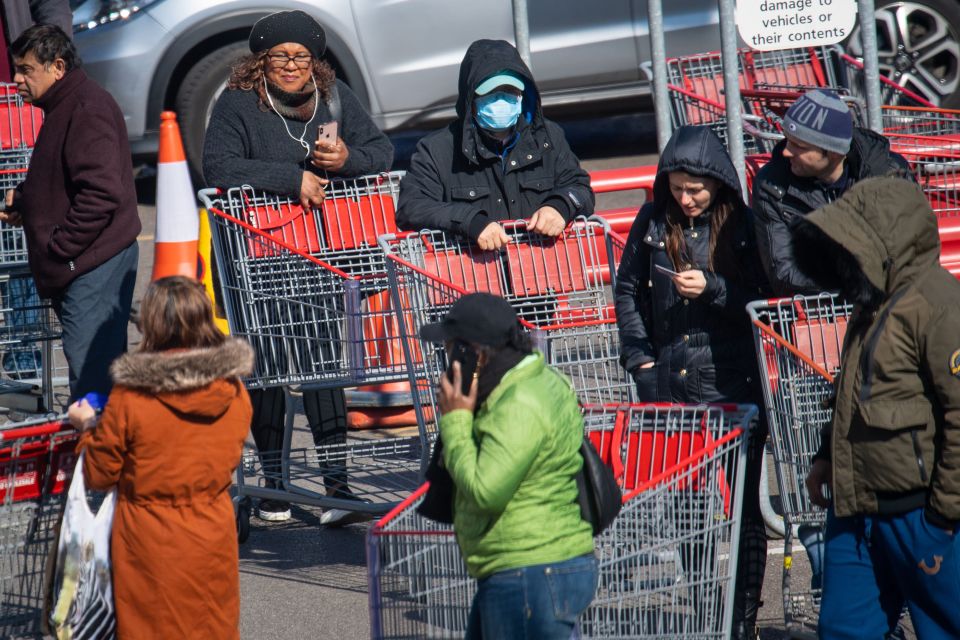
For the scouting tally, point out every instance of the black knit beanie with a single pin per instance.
(288, 26)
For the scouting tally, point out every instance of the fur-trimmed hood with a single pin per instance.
(195, 381)
(878, 237)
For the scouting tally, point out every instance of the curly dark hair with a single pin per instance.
(247, 73)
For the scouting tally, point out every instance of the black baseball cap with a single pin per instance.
(480, 318)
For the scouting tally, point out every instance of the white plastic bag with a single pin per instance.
(82, 587)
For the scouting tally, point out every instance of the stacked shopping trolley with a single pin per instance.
(27, 324)
(307, 288)
(325, 305)
(36, 462)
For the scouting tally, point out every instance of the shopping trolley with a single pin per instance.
(28, 330)
(934, 162)
(26, 333)
(19, 127)
(667, 563)
(695, 87)
(769, 83)
(558, 286)
(305, 288)
(36, 462)
(798, 342)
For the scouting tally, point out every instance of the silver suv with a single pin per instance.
(401, 57)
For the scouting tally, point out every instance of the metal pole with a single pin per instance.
(658, 59)
(521, 30)
(731, 88)
(871, 68)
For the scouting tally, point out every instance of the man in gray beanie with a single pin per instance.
(822, 156)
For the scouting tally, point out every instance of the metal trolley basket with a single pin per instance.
(306, 288)
(770, 81)
(798, 342)
(667, 563)
(36, 463)
(558, 286)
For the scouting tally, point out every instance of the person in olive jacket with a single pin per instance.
(77, 205)
(499, 160)
(689, 268)
(512, 448)
(892, 452)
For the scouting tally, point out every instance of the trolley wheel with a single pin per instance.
(243, 520)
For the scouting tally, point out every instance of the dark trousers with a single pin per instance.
(326, 411)
(752, 556)
(875, 564)
(94, 311)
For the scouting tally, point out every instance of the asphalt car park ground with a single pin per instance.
(301, 580)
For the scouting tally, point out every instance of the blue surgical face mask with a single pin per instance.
(498, 110)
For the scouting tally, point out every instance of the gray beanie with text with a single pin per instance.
(820, 118)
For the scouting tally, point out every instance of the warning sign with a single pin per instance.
(768, 25)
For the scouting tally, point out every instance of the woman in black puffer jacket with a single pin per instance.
(686, 337)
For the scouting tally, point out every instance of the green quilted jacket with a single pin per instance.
(513, 465)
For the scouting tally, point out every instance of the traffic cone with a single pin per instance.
(178, 225)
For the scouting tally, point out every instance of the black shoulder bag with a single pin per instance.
(437, 504)
(600, 496)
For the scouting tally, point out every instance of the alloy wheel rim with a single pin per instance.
(917, 48)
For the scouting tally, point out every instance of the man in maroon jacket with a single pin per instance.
(77, 205)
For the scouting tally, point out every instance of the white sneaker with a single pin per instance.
(273, 510)
(342, 517)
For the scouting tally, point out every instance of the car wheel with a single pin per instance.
(918, 46)
(198, 92)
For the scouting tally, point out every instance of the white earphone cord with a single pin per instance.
(316, 101)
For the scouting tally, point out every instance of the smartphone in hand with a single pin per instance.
(664, 270)
(327, 135)
(467, 357)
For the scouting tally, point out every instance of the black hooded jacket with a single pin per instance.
(778, 196)
(703, 347)
(457, 183)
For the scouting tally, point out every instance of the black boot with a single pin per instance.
(746, 605)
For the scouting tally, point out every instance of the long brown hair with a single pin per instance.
(176, 314)
(724, 218)
(247, 74)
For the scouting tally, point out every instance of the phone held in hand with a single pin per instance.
(467, 357)
(669, 272)
(327, 135)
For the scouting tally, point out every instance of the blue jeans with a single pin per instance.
(875, 564)
(543, 601)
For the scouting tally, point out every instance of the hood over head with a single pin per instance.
(699, 152)
(485, 58)
(876, 238)
(200, 382)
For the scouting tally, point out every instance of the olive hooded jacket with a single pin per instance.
(895, 440)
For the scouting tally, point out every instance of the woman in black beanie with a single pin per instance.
(263, 133)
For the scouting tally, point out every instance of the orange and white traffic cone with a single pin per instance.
(178, 224)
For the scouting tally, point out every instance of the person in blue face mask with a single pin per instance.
(500, 160)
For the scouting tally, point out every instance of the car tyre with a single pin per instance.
(918, 44)
(197, 95)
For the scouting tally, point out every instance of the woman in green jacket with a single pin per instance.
(512, 447)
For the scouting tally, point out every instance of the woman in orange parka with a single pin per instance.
(169, 439)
